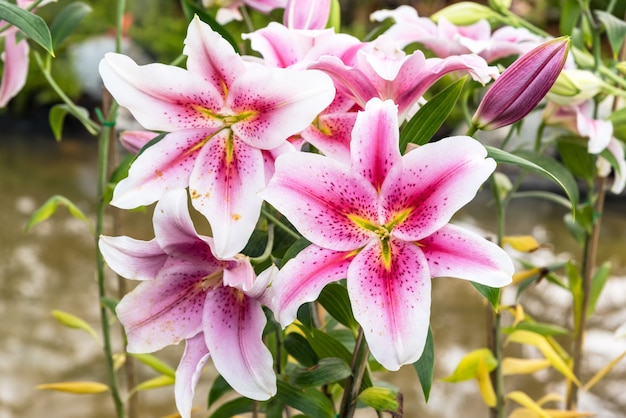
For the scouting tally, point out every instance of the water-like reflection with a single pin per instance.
(51, 268)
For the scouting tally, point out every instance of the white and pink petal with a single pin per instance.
(223, 185)
(390, 294)
(166, 310)
(453, 251)
(321, 198)
(188, 373)
(302, 279)
(233, 329)
(132, 258)
(164, 166)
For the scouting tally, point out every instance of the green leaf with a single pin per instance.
(618, 119)
(191, 8)
(542, 165)
(110, 303)
(334, 298)
(295, 249)
(570, 11)
(538, 328)
(49, 208)
(328, 370)
(577, 159)
(615, 30)
(427, 121)
(219, 387)
(425, 366)
(308, 401)
(155, 364)
(57, 114)
(327, 346)
(154, 383)
(234, 407)
(256, 244)
(31, 25)
(492, 294)
(72, 321)
(382, 399)
(597, 284)
(299, 348)
(468, 366)
(67, 20)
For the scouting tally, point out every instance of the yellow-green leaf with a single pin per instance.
(604, 371)
(524, 400)
(156, 382)
(49, 208)
(80, 388)
(72, 321)
(155, 364)
(539, 341)
(484, 383)
(468, 366)
(523, 243)
(512, 365)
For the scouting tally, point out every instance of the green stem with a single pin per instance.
(90, 125)
(494, 318)
(103, 158)
(588, 269)
(280, 224)
(353, 382)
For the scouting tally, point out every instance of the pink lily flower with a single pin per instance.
(384, 71)
(382, 222)
(221, 112)
(446, 39)
(306, 14)
(229, 9)
(284, 47)
(187, 293)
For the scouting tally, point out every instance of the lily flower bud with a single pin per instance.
(307, 14)
(522, 86)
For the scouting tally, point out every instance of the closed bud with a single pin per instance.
(522, 86)
(575, 86)
(464, 13)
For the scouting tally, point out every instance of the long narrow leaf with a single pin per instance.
(29, 23)
(425, 366)
(541, 165)
(427, 121)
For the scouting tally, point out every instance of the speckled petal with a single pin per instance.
(433, 182)
(349, 81)
(176, 234)
(456, 252)
(166, 310)
(164, 166)
(317, 194)
(211, 56)
(161, 97)
(283, 102)
(375, 140)
(188, 373)
(132, 258)
(391, 303)
(302, 279)
(224, 183)
(233, 328)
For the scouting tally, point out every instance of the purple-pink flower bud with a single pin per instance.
(522, 86)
